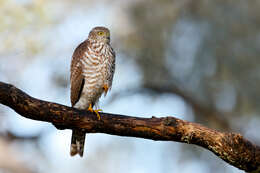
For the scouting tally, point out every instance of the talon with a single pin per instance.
(96, 111)
(90, 108)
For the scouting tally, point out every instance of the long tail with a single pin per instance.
(77, 142)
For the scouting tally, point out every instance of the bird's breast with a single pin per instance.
(94, 66)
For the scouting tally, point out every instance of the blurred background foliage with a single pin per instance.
(196, 60)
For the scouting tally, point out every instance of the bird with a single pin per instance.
(91, 74)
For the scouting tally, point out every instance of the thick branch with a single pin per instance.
(231, 147)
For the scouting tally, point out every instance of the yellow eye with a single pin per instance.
(100, 33)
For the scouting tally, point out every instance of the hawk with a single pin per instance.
(92, 70)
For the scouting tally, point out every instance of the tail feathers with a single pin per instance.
(77, 142)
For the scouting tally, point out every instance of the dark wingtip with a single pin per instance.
(81, 154)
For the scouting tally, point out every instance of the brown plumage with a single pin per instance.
(92, 70)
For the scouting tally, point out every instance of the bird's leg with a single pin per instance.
(96, 111)
(105, 88)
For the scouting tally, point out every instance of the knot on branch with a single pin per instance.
(169, 121)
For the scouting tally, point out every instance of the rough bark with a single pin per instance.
(231, 147)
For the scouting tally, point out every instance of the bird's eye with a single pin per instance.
(100, 33)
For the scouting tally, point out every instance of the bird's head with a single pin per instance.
(100, 34)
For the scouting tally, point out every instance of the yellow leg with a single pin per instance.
(96, 111)
(105, 87)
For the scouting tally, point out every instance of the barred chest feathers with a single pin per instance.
(97, 68)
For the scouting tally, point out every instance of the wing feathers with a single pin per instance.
(76, 77)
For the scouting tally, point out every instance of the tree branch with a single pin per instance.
(231, 147)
